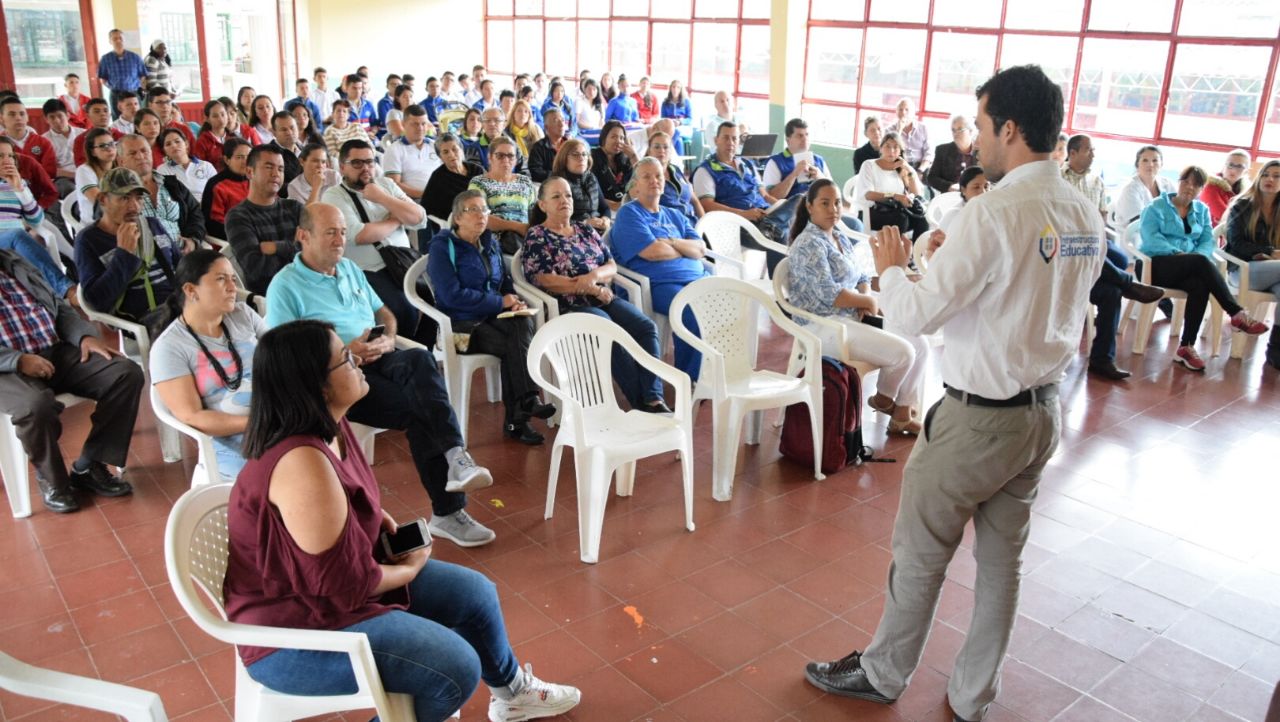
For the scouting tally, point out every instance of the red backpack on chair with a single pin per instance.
(841, 422)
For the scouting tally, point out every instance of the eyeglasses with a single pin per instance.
(504, 156)
(360, 162)
(481, 210)
(103, 146)
(1236, 166)
(347, 358)
(579, 155)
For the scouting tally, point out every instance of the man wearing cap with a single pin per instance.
(126, 259)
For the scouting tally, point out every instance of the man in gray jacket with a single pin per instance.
(47, 349)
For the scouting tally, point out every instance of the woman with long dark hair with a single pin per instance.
(613, 161)
(99, 157)
(1253, 236)
(303, 527)
(244, 104)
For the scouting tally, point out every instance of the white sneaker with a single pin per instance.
(461, 529)
(535, 700)
(464, 473)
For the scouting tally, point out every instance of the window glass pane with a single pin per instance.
(633, 8)
(755, 113)
(756, 9)
(528, 7)
(561, 8)
(894, 66)
(287, 32)
(1120, 86)
(959, 64)
(1039, 15)
(1132, 15)
(830, 125)
(500, 51)
(714, 53)
(596, 9)
(1056, 56)
(243, 47)
(1215, 93)
(835, 10)
(1271, 127)
(529, 49)
(670, 53)
(967, 13)
(753, 68)
(499, 7)
(833, 64)
(900, 11)
(630, 49)
(46, 43)
(562, 47)
(1238, 18)
(715, 8)
(682, 9)
(593, 47)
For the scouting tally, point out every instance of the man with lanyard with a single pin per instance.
(120, 70)
(725, 182)
(1008, 290)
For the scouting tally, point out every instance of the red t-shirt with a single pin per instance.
(1217, 195)
(648, 106)
(76, 117)
(209, 149)
(77, 149)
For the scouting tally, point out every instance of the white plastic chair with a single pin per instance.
(726, 312)
(15, 466)
(723, 233)
(1255, 301)
(195, 552)
(71, 213)
(206, 471)
(135, 705)
(170, 442)
(860, 206)
(939, 206)
(1130, 241)
(458, 367)
(606, 441)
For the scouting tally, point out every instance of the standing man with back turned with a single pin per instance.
(1033, 244)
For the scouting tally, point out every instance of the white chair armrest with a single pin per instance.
(726, 266)
(1239, 263)
(631, 287)
(642, 281)
(403, 344)
(135, 705)
(550, 306)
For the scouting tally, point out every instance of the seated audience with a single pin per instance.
(674, 134)
(913, 137)
(590, 109)
(287, 143)
(227, 188)
(1253, 236)
(160, 100)
(1178, 236)
(573, 165)
(473, 285)
(202, 363)
(950, 159)
(677, 192)
(236, 125)
(488, 97)
(1222, 188)
(244, 105)
(47, 349)
(568, 259)
(1075, 171)
(973, 183)
(393, 119)
(149, 127)
(127, 107)
(510, 196)
(1146, 186)
(19, 210)
(724, 114)
(522, 128)
(193, 172)
(13, 115)
(75, 101)
(317, 175)
(101, 147)
(471, 126)
(99, 117)
(305, 516)
(406, 390)
(892, 189)
(646, 102)
(660, 243)
(167, 200)
(556, 99)
(213, 134)
(676, 106)
(543, 153)
(62, 135)
(607, 89)
(612, 162)
(492, 122)
(387, 103)
(784, 176)
(622, 107)
(341, 130)
(451, 178)
(410, 161)
(126, 259)
(309, 127)
(363, 113)
(825, 280)
(302, 87)
(726, 182)
(263, 227)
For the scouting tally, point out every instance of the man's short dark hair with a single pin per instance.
(11, 100)
(407, 78)
(1025, 95)
(447, 74)
(485, 82)
(463, 77)
(53, 105)
(69, 76)
(280, 115)
(414, 110)
(351, 145)
(300, 81)
(720, 128)
(793, 125)
(317, 71)
(260, 150)
(354, 78)
(432, 79)
(95, 101)
(391, 77)
(506, 93)
(125, 95)
(1075, 141)
(158, 91)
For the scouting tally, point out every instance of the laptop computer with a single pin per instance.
(759, 145)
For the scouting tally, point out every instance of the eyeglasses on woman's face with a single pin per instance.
(348, 359)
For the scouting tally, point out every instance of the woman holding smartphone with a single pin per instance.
(303, 525)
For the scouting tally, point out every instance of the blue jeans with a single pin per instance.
(34, 252)
(1265, 276)
(452, 636)
(638, 385)
(1106, 295)
(687, 359)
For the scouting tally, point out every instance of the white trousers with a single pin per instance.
(901, 358)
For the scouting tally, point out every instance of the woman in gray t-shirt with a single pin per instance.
(201, 364)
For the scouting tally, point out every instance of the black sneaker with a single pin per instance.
(100, 481)
(524, 433)
(844, 677)
(655, 407)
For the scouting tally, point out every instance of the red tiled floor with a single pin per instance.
(1151, 585)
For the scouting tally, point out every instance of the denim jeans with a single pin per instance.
(1265, 276)
(687, 359)
(638, 385)
(34, 252)
(452, 636)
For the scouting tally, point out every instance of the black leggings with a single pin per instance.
(1198, 278)
(508, 339)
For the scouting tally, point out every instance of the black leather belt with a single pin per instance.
(1024, 398)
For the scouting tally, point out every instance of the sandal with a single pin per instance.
(886, 409)
(910, 427)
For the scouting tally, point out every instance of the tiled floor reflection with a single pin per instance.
(1152, 587)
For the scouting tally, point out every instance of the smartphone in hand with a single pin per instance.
(409, 537)
(375, 333)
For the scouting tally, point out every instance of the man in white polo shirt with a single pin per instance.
(411, 160)
(1008, 291)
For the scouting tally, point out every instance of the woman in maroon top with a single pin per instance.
(303, 522)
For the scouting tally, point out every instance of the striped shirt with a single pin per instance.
(18, 207)
(25, 324)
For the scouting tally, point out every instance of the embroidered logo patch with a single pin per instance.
(1049, 243)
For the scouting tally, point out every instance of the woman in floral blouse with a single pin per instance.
(569, 260)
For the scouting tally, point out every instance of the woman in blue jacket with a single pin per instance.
(473, 287)
(1178, 235)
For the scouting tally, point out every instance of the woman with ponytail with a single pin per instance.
(201, 364)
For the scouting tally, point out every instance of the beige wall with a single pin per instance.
(423, 37)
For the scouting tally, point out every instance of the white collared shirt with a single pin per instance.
(64, 146)
(412, 164)
(1010, 286)
(365, 255)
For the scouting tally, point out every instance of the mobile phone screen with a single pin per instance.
(407, 538)
(376, 332)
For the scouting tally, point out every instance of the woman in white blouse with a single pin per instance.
(193, 172)
(316, 177)
(1147, 185)
(591, 109)
(889, 186)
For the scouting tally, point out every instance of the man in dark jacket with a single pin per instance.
(47, 349)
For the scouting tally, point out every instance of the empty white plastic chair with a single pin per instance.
(606, 440)
(14, 464)
(135, 705)
(195, 552)
(723, 232)
(726, 310)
